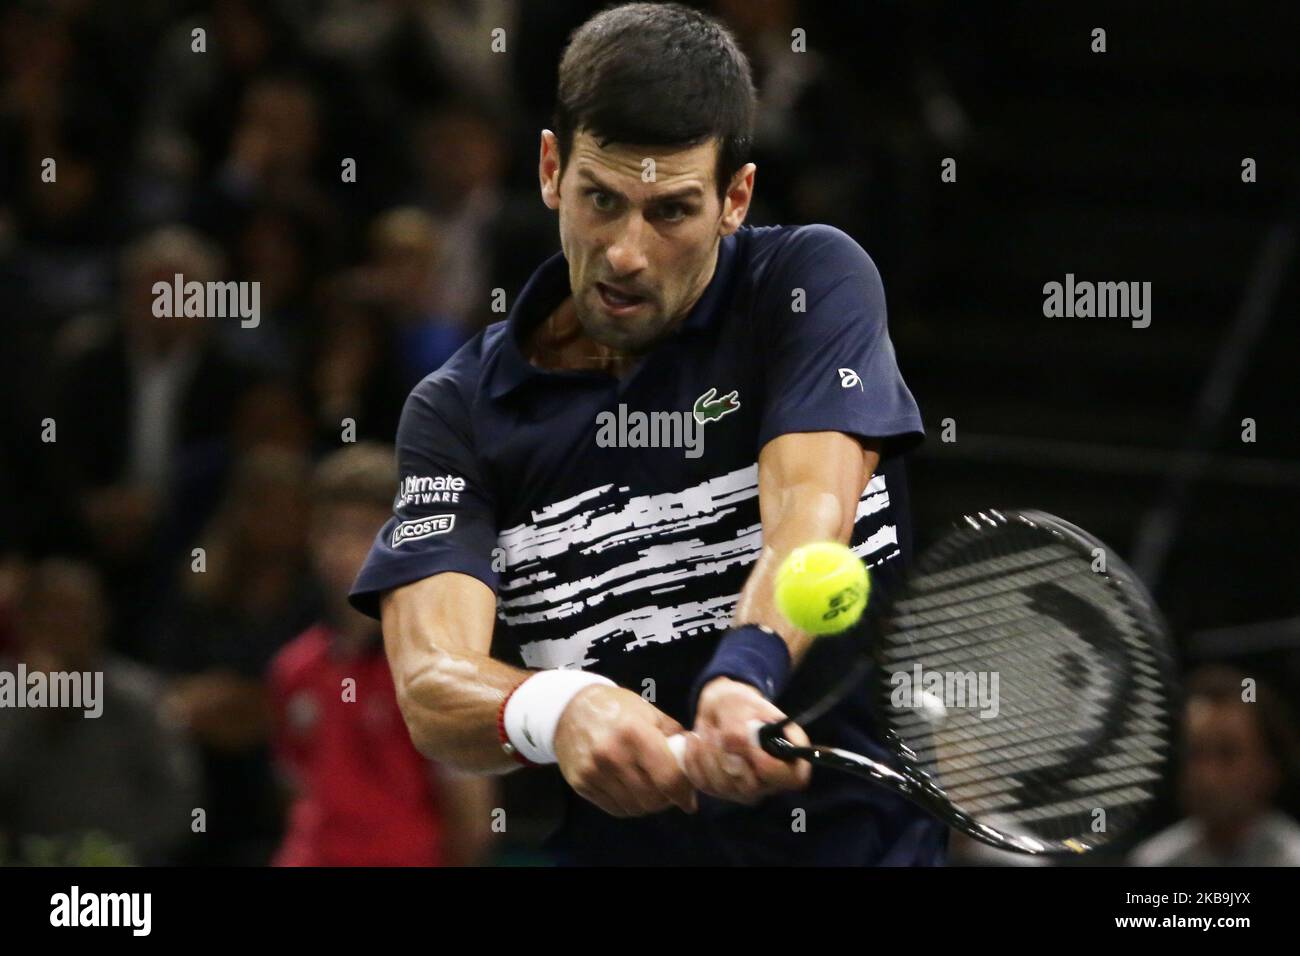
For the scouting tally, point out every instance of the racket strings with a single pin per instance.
(1115, 792)
(1081, 717)
(990, 568)
(1023, 650)
(951, 759)
(957, 756)
(1008, 645)
(1112, 787)
(977, 788)
(1122, 798)
(930, 600)
(938, 618)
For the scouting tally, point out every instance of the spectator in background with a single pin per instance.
(355, 369)
(275, 157)
(143, 406)
(796, 94)
(277, 247)
(460, 159)
(125, 781)
(52, 108)
(250, 596)
(416, 50)
(363, 795)
(59, 208)
(69, 226)
(491, 239)
(1240, 756)
(270, 413)
(194, 99)
(402, 278)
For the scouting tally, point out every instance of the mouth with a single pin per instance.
(616, 302)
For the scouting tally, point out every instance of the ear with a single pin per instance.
(548, 169)
(735, 203)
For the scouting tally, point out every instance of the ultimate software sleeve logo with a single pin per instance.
(423, 490)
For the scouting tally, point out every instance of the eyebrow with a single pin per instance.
(686, 192)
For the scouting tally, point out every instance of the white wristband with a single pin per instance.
(534, 709)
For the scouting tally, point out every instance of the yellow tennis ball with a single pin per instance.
(822, 588)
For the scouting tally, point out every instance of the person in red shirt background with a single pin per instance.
(363, 795)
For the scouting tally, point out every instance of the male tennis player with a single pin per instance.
(557, 586)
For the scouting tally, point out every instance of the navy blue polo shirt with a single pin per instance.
(612, 555)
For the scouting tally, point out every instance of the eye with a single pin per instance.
(601, 200)
(673, 212)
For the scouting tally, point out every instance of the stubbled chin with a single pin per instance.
(617, 333)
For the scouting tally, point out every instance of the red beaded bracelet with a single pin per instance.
(506, 745)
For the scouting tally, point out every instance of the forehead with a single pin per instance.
(621, 165)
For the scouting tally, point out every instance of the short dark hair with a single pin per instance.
(657, 74)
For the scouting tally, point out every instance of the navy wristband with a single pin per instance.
(751, 654)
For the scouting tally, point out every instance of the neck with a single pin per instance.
(560, 344)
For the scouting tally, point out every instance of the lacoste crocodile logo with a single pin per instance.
(709, 408)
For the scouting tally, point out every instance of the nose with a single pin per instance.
(625, 255)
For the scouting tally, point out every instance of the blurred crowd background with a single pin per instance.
(177, 434)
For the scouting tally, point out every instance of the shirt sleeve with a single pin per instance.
(444, 517)
(831, 366)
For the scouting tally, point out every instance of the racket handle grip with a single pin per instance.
(677, 742)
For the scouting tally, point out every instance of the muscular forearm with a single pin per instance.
(808, 514)
(449, 692)
(451, 706)
(808, 485)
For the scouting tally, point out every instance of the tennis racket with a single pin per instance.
(1025, 692)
